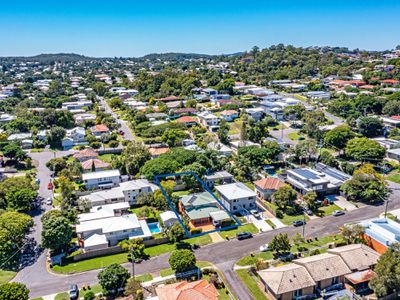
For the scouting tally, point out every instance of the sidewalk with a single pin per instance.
(216, 237)
(277, 222)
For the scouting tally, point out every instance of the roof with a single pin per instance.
(158, 151)
(383, 230)
(324, 266)
(98, 164)
(107, 225)
(229, 112)
(102, 196)
(185, 110)
(95, 240)
(357, 256)
(198, 199)
(100, 128)
(286, 278)
(269, 183)
(186, 119)
(168, 215)
(169, 98)
(218, 175)
(235, 190)
(103, 211)
(196, 290)
(219, 215)
(360, 277)
(100, 174)
(86, 153)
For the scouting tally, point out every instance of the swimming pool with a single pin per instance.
(154, 227)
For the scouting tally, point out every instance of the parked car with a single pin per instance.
(73, 292)
(37, 181)
(121, 132)
(243, 235)
(338, 213)
(255, 213)
(50, 186)
(299, 223)
(49, 201)
(286, 257)
(264, 248)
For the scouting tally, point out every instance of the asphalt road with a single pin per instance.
(223, 255)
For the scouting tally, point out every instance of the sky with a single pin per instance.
(134, 28)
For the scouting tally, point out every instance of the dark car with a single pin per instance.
(298, 223)
(73, 292)
(243, 235)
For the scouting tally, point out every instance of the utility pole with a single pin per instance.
(304, 224)
(133, 262)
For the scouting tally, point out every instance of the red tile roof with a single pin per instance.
(169, 98)
(229, 112)
(100, 128)
(86, 153)
(98, 164)
(269, 183)
(185, 110)
(196, 290)
(186, 120)
(367, 86)
(392, 81)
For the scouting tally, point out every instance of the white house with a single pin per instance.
(237, 197)
(76, 105)
(169, 218)
(256, 113)
(81, 118)
(105, 211)
(229, 115)
(221, 148)
(209, 120)
(73, 137)
(102, 179)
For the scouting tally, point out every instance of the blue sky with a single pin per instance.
(135, 28)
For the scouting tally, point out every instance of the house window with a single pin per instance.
(234, 208)
(251, 205)
(298, 293)
(250, 198)
(335, 280)
(318, 187)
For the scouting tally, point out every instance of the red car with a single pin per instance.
(121, 132)
(50, 186)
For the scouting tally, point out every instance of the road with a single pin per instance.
(223, 255)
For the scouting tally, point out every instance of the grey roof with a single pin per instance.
(199, 199)
(357, 256)
(101, 174)
(236, 190)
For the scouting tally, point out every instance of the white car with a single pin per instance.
(264, 248)
(49, 201)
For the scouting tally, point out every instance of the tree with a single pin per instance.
(304, 150)
(134, 288)
(113, 278)
(14, 151)
(14, 291)
(352, 234)
(159, 166)
(294, 112)
(134, 244)
(284, 196)
(223, 132)
(370, 126)
(134, 156)
(182, 260)
(387, 279)
(191, 181)
(339, 136)
(328, 159)
(364, 149)
(55, 136)
(176, 233)
(57, 233)
(392, 108)
(259, 156)
(310, 199)
(173, 137)
(57, 165)
(20, 199)
(280, 243)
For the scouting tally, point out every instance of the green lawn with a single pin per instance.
(286, 219)
(169, 271)
(394, 178)
(327, 210)
(270, 223)
(293, 136)
(234, 128)
(6, 276)
(144, 278)
(251, 284)
(250, 185)
(95, 289)
(39, 298)
(252, 259)
(180, 193)
(232, 233)
(62, 296)
(106, 157)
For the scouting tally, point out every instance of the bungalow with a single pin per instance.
(256, 113)
(74, 136)
(102, 179)
(188, 121)
(318, 95)
(86, 154)
(76, 105)
(169, 99)
(208, 119)
(220, 148)
(202, 209)
(81, 118)
(184, 111)
(229, 115)
(19, 136)
(237, 197)
(100, 130)
(267, 186)
(183, 290)
(94, 165)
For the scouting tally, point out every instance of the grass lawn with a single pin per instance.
(180, 193)
(327, 210)
(293, 136)
(232, 233)
(394, 178)
(286, 219)
(144, 278)
(95, 289)
(251, 284)
(6, 276)
(270, 223)
(251, 260)
(62, 296)
(106, 157)
(250, 185)
(234, 128)
(40, 298)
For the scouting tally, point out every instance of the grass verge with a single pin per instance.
(250, 227)
(6, 276)
(251, 284)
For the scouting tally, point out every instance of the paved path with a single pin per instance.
(216, 237)
(260, 224)
(277, 222)
(344, 204)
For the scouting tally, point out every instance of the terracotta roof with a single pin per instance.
(169, 98)
(86, 153)
(196, 290)
(98, 164)
(394, 81)
(367, 86)
(359, 277)
(269, 183)
(100, 128)
(229, 112)
(186, 119)
(158, 151)
(395, 117)
(185, 110)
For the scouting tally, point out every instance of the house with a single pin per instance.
(380, 233)
(19, 136)
(86, 154)
(94, 164)
(393, 154)
(318, 95)
(81, 118)
(127, 191)
(229, 115)
(221, 177)
(102, 179)
(209, 120)
(287, 282)
(256, 113)
(387, 143)
(101, 233)
(105, 211)
(220, 148)
(169, 99)
(265, 187)
(183, 290)
(237, 197)
(169, 218)
(202, 209)
(41, 135)
(76, 105)
(391, 122)
(4, 118)
(323, 180)
(99, 130)
(73, 137)
(187, 120)
(238, 144)
(185, 111)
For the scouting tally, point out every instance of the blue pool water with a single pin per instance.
(154, 227)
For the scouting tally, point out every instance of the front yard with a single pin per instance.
(285, 218)
(232, 233)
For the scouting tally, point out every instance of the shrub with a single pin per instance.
(89, 296)
(95, 145)
(196, 231)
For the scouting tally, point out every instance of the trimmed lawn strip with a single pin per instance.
(395, 178)
(270, 223)
(40, 298)
(287, 219)
(328, 210)
(6, 276)
(169, 271)
(251, 284)
(62, 296)
(232, 233)
(251, 260)
(293, 136)
(95, 289)
(144, 278)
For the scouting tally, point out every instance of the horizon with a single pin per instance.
(118, 29)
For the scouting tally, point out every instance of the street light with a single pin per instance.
(133, 262)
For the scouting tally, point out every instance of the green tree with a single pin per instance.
(310, 199)
(176, 233)
(14, 291)
(339, 136)
(328, 159)
(387, 279)
(113, 278)
(173, 137)
(191, 181)
(182, 260)
(20, 199)
(136, 245)
(284, 196)
(223, 132)
(370, 126)
(159, 166)
(57, 165)
(57, 233)
(14, 152)
(364, 149)
(55, 136)
(280, 243)
(134, 288)
(352, 234)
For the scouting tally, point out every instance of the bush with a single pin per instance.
(113, 144)
(89, 296)
(279, 214)
(79, 251)
(196, 231)
(315, 252)
(95, 145)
